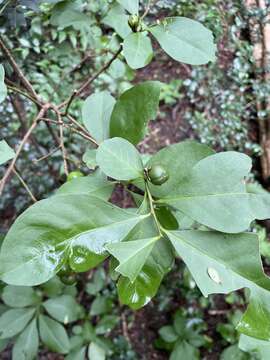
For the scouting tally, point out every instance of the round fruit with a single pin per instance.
(65, 270)
(74, 175)
(158, 175)
(69, 279)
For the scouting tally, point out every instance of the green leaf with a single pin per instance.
(3, 344)
(252, 345)
(185, 40)
(95, 352)
(3, 88)
(65, 14)
(118, 20)
(12, 322)
(183, 350)
(97, 283)
(53, 335)
(89, 158)
(26, 345)
(132, 6)
(133, 111)
(96, 114)
(107, 324)
(137, 49)
(95, 184)
(168, 334)
(77, 354)
(63, 308)
(119, 159)
(132, 255)
(101, 305)
(37, 245)
(6, 153)
(234, 353)
(158, 264)
(178, 160)
(214, 194)
(19, 296)
(208, 256)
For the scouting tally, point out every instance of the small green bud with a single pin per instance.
(157, 174)
(134, 23)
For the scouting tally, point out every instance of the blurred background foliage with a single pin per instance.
(60, 43)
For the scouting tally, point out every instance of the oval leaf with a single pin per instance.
(51, 230)
(133, 111)
(96, 114)
(119, 159)
(26, 346)
(137, 49)
(53, 335)
(185, 40)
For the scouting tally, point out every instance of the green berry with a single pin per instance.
(68, 279)
(158, 175)
(74, 175)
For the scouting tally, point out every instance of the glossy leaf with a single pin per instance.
(12, 322)
(185, 40)
(208, 256)
(260, 347)
(63, 308)
(53, 335)
(95, 352)
(132, 6)
(101, 305)
(134, 109)
(137, 50)
(19, 296)
(214, 194)
(234, 353)
(158, 264)
(26, 345)
(37, 245)
(118, 20)
(3, 87)
(95, 184)
(132, 255)
(6, 153)
(96, 114)
(119, 159)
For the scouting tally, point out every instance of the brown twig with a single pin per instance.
(79, 91)
(17, 69)
(25, 185)
(20, 148)
(47, 155)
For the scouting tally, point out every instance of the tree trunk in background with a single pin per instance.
(260, 35)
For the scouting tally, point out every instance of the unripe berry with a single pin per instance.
(157, 174)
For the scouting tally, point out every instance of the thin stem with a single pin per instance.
(47, 155)
(75, 122)
(148, 7)
(16, 68)
(21, 92)
(25, 185)
(79, 91)
(152, 209)
(20, 148)
(62, 143)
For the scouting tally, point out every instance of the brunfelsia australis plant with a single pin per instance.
(77, 228)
